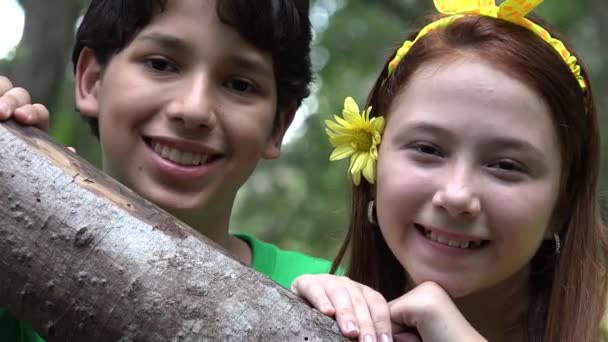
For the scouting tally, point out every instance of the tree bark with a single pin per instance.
(84, 258)
(42, 55)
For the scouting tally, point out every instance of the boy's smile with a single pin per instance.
(182, 159)
(185, 112)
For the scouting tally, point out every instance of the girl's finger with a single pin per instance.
(361, 311)
(340, 297)
(380, 314)
(314, 293)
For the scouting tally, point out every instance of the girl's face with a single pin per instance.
(468, 176)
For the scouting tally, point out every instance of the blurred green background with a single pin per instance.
(301, 202)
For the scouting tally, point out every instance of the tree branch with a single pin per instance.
(84, 258)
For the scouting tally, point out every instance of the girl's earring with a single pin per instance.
(558, 243)
(371, 213)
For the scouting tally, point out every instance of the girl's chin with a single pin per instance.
(452, 287)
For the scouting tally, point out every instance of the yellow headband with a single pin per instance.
(513, 11)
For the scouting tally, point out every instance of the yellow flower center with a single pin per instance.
(362, 140)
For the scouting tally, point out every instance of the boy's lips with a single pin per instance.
(182, 153)
(182, 160)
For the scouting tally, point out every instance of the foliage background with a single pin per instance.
(301, 202)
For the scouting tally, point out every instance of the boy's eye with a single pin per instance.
(241, 85)
(160, 64)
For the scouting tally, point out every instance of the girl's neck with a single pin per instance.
(499, 313)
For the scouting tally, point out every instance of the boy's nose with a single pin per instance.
(193, 106)
(457, 197)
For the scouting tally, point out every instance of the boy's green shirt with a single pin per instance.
(279, 265)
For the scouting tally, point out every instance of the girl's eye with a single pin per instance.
(160, 64)
(427, 149)
(241, 86)
(508, 170)
(507, 166)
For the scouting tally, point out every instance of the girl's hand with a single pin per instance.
(15, 102)
(431, 312)
(360, 311)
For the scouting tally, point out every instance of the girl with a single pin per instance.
(483, 221)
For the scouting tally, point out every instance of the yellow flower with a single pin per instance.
(356, 136)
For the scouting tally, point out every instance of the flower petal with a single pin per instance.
(342, 152)
(359, 163)
(369, 171)
(346, 124)
(338, 139)
(354, 119)
(356, 178)
(337, 128)
(377, 124)
(350, 105)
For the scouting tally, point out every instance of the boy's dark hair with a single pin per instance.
(281, 27)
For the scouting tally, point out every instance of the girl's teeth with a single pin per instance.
(431, 235)
(179, 157)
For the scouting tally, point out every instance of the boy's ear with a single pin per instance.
(88, 78)
(281, 124)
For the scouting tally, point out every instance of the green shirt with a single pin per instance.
(279, 265)
(282, 266)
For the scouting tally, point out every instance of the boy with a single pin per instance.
(186, 96)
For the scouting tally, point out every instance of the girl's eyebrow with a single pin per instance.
(502, 142)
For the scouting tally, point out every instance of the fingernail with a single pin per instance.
(351, 326)
(368, 338)
(385, 338)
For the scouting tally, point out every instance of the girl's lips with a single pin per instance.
(450, 240)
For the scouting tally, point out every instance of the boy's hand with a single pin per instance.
(16, 103)
(431, 312)
(359, 310)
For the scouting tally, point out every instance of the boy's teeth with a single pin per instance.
(431, 235)
(179, 157)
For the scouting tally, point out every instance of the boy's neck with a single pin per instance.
(499, 313)
(216, 230)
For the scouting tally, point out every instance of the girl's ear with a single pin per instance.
(281, 124)
(88, 78)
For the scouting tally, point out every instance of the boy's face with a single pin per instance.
(185, 111)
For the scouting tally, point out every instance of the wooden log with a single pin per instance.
(84, 258)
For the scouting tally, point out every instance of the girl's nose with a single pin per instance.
(457, 197)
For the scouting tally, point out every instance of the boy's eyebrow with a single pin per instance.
(165, 41)
(250, 64)
(243, 60)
